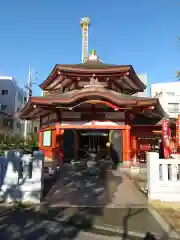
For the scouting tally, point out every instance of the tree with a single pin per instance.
(32, 139)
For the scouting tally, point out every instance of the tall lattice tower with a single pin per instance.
(85, 22)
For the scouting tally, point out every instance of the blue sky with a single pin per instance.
(138, 32)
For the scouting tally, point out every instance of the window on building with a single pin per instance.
(170, 94)
(6, 122)
(3, 107)
(4, 92)
(20, 97)
(158, 94)
(25, 99)
(18, 125)
(173, 107)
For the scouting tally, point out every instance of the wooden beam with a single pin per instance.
(129, 81)
(121, 82)
(38, 113)
(55, 82)
(99, 74)
(110, 127)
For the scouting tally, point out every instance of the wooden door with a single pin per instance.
(69, 143)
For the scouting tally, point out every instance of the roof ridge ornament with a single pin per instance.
(93, 56)
(94, 82)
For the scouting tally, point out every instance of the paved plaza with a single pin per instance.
(78, 202)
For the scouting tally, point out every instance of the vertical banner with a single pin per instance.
(85, 25)
(84, 42)
(178, 133)
(165, 137)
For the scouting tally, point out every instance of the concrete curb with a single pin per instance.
(166, 225)
(112, 231)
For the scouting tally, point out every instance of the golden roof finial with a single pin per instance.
(93, 55)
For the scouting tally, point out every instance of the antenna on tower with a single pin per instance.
(85, 22)
(29, 95)
(29, 86)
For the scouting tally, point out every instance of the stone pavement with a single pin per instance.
(78, 202)
(113, 197)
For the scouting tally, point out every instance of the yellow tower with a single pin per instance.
(85, 22)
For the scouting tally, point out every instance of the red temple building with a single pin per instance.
(98, 98)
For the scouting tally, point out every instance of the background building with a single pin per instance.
(144, 78)
(12, 99)
(169, 96)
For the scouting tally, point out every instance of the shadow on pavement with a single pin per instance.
(74, 201)
(71, 202)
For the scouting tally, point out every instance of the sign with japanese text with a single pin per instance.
(165, 137)
(165, 129)
(178, 132)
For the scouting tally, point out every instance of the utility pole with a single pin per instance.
(29, 94)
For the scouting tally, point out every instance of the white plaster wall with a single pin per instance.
(93, 123)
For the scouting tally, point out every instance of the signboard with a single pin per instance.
(178, 132)
(165, 137)
(47, 138)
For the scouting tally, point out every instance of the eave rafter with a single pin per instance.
(55, 82)
(140, 85)
(128, 81)
(122, 83)
(37, 112)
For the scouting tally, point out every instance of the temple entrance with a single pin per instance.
(69, 143)
(93, 141)
(105, 143)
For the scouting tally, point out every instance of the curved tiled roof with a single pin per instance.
(73, 98)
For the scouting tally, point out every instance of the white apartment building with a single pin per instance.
(169, 96)
(12, 99)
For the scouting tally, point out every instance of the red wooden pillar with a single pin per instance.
(39, 138)
(127, 143)
(59, 144)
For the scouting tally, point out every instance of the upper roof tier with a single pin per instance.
(123, 75)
